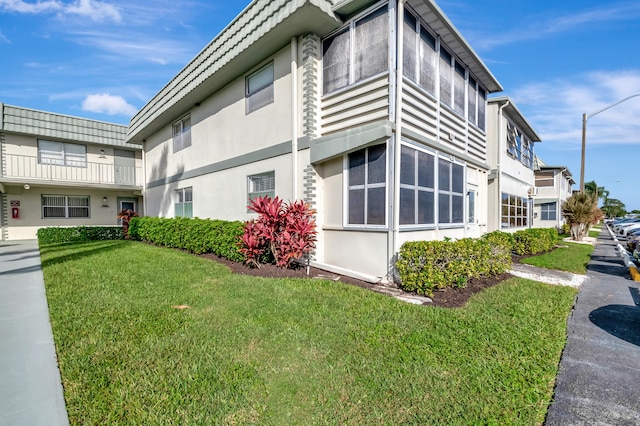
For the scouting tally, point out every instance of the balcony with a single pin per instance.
(26, 168)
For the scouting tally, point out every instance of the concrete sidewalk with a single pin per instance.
(599, 378)
(30, 385)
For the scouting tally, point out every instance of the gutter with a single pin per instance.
(294, 117)
(394, 229)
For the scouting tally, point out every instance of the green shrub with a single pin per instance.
(194, 235)
(534, 240)
(425, 266)
(499, 238)
(79, 234)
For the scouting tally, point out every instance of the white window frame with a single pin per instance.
(182, 133)
(266, 183)
(181, 197)
(65, 156)
(417, 188)
(262, 93)
(450, 192)
(350, 28)
(523, 215)
(546, 209)
(65, 204)
(366, 186)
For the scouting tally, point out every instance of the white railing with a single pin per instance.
(28, 167)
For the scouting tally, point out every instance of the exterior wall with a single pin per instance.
(31, 215)
(21, 163)
(221, 129)
(221, 195)
(558, 193)
(509, 175)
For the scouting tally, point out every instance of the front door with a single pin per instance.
(125, 164)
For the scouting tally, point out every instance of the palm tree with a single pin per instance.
(578, 210)
(596, 191)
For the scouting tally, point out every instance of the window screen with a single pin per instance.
(259, 88)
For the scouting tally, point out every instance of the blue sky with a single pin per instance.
(555, 59)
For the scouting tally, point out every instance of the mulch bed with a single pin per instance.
(446, 298)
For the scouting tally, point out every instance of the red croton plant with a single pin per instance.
(126, 216)
(282, 233)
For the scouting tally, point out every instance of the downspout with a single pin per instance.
(500, 154)
(395, 229)
(294, 117)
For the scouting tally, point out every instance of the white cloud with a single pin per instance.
(555, 108)
(95, 10)
(554, 25)
(108, 104)
(4, 39)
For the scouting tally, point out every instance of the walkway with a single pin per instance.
(30, 386)
(599, 379)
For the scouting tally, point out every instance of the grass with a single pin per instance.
(570, 257)
(286, 351)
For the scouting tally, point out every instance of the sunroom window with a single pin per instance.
(358, 51)
(366, 188)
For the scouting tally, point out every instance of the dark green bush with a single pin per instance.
(534, 240)
(194, 235)
(425, 266)
(79, 233)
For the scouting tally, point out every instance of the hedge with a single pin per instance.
(192, 234)
(425, 266)
(79, 234)
(534, 240)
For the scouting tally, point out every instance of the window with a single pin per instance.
(548, 211)
(358, 51)
(471, 202)
(527, 153)
(62, 154)
(514, 211)
(445, 77)
(482, 105)
(65, 206)
(450, 192)
(459, 85)
(259, 88)
(472, 101)
(182, 134)
(366, 186)
(261, 184)
(417, 182)
(545, 179)
(420, 54)
(184, 202)
(514, 141)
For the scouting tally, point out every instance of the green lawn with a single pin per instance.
(266, 351)
(570, 257)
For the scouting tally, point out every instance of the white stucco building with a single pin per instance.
(57, 170)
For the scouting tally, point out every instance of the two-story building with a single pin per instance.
(511, 156)
(372, 111)
(553, 187)
(57, 170)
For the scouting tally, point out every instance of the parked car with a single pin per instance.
(620, 225)
(632, 241)
(625, 231)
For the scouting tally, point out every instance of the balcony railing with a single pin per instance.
(27, 167)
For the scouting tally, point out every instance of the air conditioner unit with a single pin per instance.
(533, 191)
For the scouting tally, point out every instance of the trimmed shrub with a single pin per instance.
(76, 234)
(425, 266)
(534, 240)
(499, 238)
(195, 235)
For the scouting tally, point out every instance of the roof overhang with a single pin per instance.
(261, 29)
(438, 21)
(514, 114)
